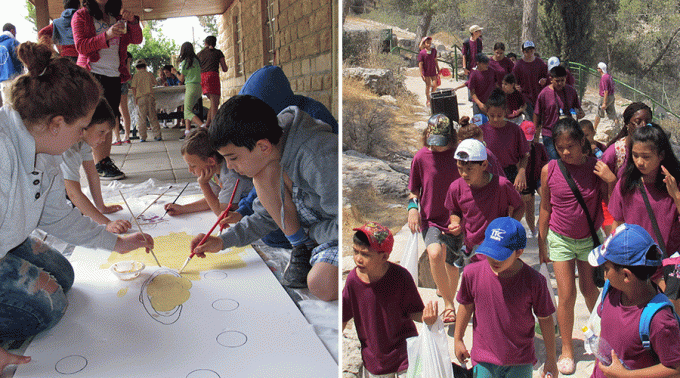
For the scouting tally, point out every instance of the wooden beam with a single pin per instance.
(42, 14)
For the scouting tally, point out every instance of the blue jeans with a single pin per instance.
(550, 147)
(26, 307)
(486, 370)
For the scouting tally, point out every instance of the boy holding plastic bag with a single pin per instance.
(501, 293)
(384, 301)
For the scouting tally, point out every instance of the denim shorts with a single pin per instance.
(487, 370)
(24, 309)
(431, 236)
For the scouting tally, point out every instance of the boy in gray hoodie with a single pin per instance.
(293, 160)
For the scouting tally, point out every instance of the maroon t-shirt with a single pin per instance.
(528, 76)
(483, 83)
(504, 66)
(429, 60)
(508, 143)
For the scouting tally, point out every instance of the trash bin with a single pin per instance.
(444, 101)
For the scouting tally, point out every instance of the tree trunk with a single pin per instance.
(345, 9)
(529, 20)
(423, 28)
(661, 54)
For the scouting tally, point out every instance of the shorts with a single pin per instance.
(511, 173)
(610, 109)
(367, 374)
(111, 87)
(564, 248)
(671, 274)
(124, 88)
(431, 236)
(326, 252)
(487, 370)
(210, 82)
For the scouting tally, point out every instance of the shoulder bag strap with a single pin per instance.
(655, 225)
(579, 198)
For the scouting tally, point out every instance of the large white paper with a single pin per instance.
(237, 322)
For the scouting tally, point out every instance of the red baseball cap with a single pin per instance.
(380, 237)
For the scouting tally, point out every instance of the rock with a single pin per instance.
(351, 352)
(359, 170)
(380, 81)
(420, 125)
(388, 99)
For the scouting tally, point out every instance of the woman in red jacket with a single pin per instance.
(102, 33)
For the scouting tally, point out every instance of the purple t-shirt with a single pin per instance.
(513, 102)
(431, 175)
(528, 75)
(620, 328)
(508, 142)
(381, 312)
(429, 61)
(482, 83)
(494, 164)
(606, 84)
(505, 66)
(475, 47)
(630, 208)
(538, 157)
(477, 207)
(550, 102)
(609, 158)
(503, 323)
(568, 218)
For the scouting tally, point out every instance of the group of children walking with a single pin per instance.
(610, 208)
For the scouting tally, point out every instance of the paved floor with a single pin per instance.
(161, 161)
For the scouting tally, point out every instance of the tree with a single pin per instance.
(156, 51)
(209, 24)
(568, 29)
(31, 17)
(529, 20)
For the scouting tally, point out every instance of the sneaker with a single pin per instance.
(186, 132)
(158, 139)
(142, 140)
(118, 143)
(127, 141)
(108, 171)
(295, 274)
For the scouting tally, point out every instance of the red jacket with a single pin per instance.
(64, 50)
(88, 43)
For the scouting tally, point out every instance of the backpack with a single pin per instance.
(657, 303)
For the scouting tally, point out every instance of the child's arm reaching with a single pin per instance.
(429, 315)
(548, 331)
(194, 207)
(96, 189)
(616, 370)
(80, 200)
(465, 312)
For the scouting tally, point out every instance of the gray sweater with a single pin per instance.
(310, 158)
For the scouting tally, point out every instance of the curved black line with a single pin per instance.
(73, 355)
(212, 371)
(229, 346)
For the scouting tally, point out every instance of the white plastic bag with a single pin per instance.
(544, 271)
(428, 353)
(410, 258)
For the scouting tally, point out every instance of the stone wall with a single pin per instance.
(305, 45)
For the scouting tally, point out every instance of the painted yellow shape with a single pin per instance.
(122, 292)
(168, 291)
(173, 249)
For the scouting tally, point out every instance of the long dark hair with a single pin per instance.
(187, 53)
(627, 116)
(570, 127)
(654, 134)
(112, 8)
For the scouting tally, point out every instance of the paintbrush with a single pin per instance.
(222, 216)
(154, 201)
(176, 198)
(138, 226)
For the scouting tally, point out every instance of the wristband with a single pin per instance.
(412, 204)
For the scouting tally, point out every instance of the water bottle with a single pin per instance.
(573, 113)
(599, 347)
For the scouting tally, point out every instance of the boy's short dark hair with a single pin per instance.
(586, 124)
(511, 55)
(465, 163)
(167, 67)
(103, 114)
(211, 40)
(510, 78)
(242, 121)
(8, 27)
(558, 71)
(361, 239)
(482, 58)
(198, 143)
(71, 4)
(642, 272)
(499, 46)
(496, 99)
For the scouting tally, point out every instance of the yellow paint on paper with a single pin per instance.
(122, 292)
(173, 249)
(168, 291)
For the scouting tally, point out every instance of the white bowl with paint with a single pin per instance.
(127, 270)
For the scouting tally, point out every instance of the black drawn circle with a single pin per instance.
(214, 275)
(225, 304)
(232, 339)
(70, 364)
(203, 373)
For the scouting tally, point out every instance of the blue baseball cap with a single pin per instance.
(628, 246)
(502, 237)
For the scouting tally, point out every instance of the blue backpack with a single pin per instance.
(657, 303)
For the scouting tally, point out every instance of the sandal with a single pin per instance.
(448, 316)
(566, 366)
(118, 143)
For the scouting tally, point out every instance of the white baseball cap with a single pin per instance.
(470, 150)
(475, 28)
(553, 62)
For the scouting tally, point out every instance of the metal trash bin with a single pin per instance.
(444, 101)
